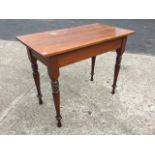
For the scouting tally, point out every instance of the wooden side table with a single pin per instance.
(59, 48)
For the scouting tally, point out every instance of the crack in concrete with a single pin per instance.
(15, 102)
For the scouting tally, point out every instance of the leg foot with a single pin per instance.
(59, 121)
(40, 100)
(113, 91)
(59, 125)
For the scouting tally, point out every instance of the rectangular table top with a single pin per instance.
(64, 40)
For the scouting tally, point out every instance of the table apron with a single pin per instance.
(87, 52)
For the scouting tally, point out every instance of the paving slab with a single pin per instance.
(87, 107)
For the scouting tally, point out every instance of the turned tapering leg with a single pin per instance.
(93, 59)
(36, 75)
(56, 98)
(119, 52)
(54, 74)
(116, 71)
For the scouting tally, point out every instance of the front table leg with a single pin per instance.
(36, 75)
(56, 98)
(56, 94)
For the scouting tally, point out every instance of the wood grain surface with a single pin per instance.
(64, 40)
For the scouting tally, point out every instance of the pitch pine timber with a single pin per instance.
(66, 46)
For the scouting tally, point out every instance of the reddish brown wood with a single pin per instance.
(61, 41)
(87, 52)
(56, 98)
(63, 47)
(54, 75)
(93, 59)
(119, 52)
(36, 75)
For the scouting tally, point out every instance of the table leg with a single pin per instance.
(93, 59)
(119, 52)
(36, 75)
(54, 74)
(116, 71)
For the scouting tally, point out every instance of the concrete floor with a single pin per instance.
(87, 107)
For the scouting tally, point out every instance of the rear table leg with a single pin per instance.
(116, 71)
(93, 59)
(119, 52)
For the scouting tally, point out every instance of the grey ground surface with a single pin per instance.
(87, 107)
